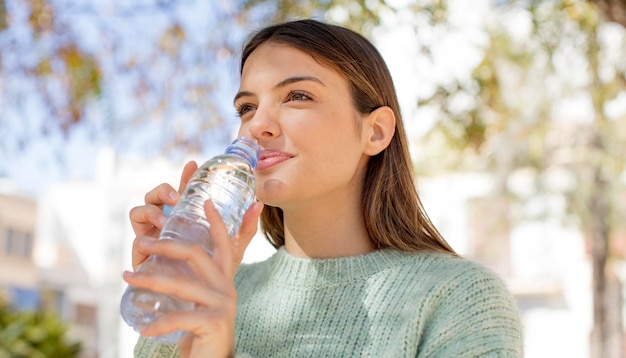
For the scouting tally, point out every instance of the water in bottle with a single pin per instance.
(228, 181)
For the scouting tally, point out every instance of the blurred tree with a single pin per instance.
(64, 66)
(358, 15)
(26, 334)
(155, 77)
(521, 120)
(3, 15)
(116, 71)
(119, 69)
(614, 10)
(56, 58)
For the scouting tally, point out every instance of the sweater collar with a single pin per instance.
(306, 272)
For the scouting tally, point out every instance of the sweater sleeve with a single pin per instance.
(149, 348)
(474, 315)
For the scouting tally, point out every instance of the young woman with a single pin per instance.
(360, 270)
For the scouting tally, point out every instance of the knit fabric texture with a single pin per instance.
(383, 304)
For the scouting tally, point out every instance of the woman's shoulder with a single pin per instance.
(467, 304)
(447, 276)
(247, 271)
(442, 265)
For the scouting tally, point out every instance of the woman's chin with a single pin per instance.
(269, 191)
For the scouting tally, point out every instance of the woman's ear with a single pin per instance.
(379, 128)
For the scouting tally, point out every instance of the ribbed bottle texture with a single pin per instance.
(228, 181)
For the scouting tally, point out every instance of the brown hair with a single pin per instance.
(393, 213)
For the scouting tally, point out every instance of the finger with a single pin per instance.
(179, 285)
(222, 245)
(188, 171)
(146, 220)
(249, 226)
(139, 254)
(200, 323)
(162, 194)
(196, 257)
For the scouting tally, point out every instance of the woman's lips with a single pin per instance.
(270, 158)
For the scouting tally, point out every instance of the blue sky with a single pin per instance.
(124, 37)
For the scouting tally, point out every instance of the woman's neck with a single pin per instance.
(325, 231)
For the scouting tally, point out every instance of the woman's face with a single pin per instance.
(303, 117)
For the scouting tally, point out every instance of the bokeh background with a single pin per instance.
(515, 110)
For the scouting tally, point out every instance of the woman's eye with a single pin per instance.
(298, 96)
(244, 108)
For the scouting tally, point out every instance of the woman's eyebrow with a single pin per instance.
(242, 94)
(282, 83)
(295, 79)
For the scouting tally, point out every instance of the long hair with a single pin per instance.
(392, 210)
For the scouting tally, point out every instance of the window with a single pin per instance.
(85, 315)
(27, 245)
(17, 243)
(9, 242)
(23, 298)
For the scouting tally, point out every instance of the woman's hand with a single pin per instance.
(211, 325)
(148, 219)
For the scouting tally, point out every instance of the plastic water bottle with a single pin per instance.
(228, 180)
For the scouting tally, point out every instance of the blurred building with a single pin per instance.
(63, 288)
(19, 277)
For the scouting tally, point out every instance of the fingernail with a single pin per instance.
(174, 195)
(163, 218)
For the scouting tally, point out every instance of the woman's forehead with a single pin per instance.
(286, 58)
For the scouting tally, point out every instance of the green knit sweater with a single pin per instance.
(383, 304)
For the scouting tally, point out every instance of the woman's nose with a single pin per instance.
(264, 124)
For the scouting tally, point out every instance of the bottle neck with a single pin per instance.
(245, 148)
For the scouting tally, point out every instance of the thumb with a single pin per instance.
(249, 226)
(188, 171)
